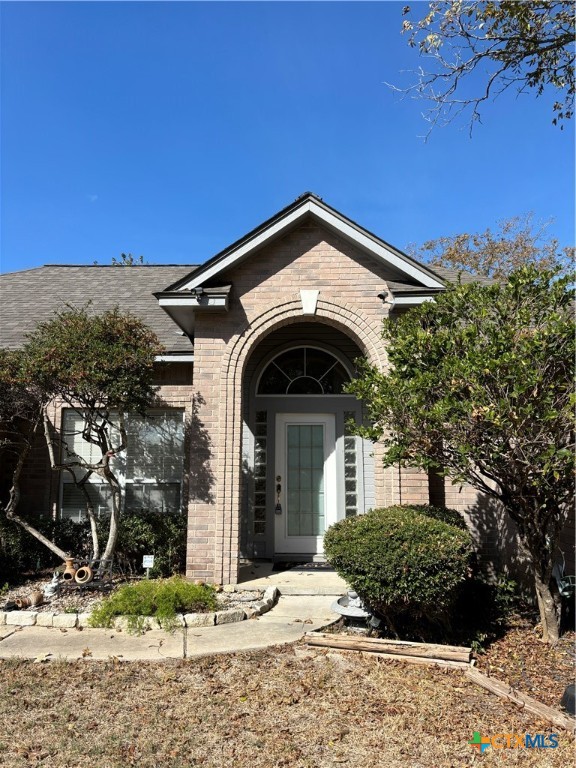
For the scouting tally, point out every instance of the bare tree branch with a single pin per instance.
(514, 44)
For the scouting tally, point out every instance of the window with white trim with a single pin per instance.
(149, 470)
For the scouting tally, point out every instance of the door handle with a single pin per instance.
(278, 507)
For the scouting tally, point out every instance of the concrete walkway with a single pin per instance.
(309, 579)
(304, 605)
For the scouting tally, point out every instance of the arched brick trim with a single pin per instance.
(341, 316)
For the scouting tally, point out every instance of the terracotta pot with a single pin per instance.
(84, 575)
(22, 602)
(69, 571)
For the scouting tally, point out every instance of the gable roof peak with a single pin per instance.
(307, 196)
(310, 205)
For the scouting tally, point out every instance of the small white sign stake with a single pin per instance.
(148, 562)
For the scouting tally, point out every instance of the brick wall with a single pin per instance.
(265, 297)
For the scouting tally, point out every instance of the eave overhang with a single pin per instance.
(409, 296)
(182, 305)
(309, 205)
(412, 301)
(175, 357)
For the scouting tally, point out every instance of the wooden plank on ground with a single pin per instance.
(409, 659)
(392, 647)
(522, 700)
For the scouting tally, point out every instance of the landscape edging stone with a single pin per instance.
(72, 620)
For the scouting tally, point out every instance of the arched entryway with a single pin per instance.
(303, 468)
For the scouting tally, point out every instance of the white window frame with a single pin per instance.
(120, 464)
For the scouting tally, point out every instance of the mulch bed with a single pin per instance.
(71, 599)
(520, 658)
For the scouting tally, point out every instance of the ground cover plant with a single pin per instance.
(281, 708)
(161, 598)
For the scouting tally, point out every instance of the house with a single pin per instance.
(254, 440)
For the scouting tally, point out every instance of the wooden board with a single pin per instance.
(408, 659)
(522, 700)
(391, 647)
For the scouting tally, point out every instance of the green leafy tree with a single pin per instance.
(480, 389)
(101, 366)
(507, 44)
(515, 243)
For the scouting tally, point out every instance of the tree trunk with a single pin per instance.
(114, 515)
(37, 535)
(14, 498)
(547, 608)
(81, 484)
(112, 480)
(538, 535)
(92, 518)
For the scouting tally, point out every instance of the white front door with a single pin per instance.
(305, 481)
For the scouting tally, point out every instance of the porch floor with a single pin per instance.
(305, 579)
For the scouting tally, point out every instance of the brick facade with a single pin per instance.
(41, 485)
(266, 296)
(230, 343)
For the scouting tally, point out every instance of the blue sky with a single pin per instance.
(169, 130)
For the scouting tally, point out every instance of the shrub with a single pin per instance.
(445, 514)
(162, 598)
(152, 533)
(405, 565)
(484, 608)
(139, 533)
(22, 554)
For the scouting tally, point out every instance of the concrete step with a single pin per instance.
(296, 581)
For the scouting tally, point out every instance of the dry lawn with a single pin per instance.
(281, 707)
(522, 660)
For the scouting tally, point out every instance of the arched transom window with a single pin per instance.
(303, 371)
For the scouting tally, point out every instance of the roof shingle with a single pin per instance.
(32, 296)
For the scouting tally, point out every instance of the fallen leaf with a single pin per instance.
(42, 657)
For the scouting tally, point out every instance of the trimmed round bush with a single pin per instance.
(445, 514)
(404, 564)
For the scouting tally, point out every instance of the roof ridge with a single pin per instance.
(114, 266)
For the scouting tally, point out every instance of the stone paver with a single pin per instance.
(21, 618)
